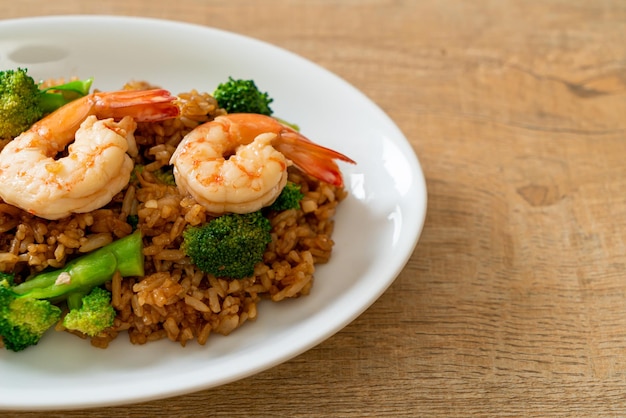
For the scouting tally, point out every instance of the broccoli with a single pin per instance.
(133, 220)
(19, 102)
(230, 245)
(289, 198)
(8, 277)
(242, 96)
(23, 320)
(165, 175)
(22, 102)
(292, 125)
(52, 98)
(28, 309)
(94, 314)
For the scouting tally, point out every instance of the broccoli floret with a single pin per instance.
(230, 245)
(289, 198)
(94, 314)
(24, 320)
(28, 309)
(22, 102)
(137, 170)
(242, 96)
(10, 278)
(133, 220)
(19, 102)
(165, 175)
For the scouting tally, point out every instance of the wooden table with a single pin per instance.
(514, 302)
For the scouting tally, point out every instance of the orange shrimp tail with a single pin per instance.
(142, 105)
(313, 159)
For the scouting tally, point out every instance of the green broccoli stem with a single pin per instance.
(74, 300)
(293, 126)
(84, 273)
(54, 97)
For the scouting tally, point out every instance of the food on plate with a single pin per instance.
(23, 102)
(29, 308)
(242, 96)
(259, 150)
(204, 267)
(98, 161)
(230, 245)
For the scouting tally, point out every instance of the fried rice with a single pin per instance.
(174, 299)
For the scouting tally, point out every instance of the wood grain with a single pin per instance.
(514, 302)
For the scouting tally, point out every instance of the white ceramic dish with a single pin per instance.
(377, 227)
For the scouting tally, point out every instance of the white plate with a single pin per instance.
(377, 227)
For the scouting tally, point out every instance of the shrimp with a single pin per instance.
(238, 162)
(97, 165)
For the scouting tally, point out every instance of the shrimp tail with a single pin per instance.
(143, 105)
(312, 158)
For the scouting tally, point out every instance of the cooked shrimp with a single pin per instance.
(238, 162)
(97, 165)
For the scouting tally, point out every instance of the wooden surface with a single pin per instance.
(514, 302)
